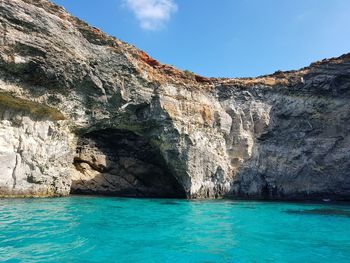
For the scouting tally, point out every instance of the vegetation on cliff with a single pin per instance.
(7, 101)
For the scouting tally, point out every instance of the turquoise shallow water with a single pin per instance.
(96, 229)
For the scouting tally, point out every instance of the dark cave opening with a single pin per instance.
(121, 163)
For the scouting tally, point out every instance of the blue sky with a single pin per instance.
(225, 38)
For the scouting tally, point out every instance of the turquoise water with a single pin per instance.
(96, 229)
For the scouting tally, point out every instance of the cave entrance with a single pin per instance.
(122, 163)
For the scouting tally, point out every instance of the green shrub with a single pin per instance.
(189, 73)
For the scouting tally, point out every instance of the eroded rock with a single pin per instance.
(282, 136)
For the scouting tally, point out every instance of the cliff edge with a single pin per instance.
(83, 112)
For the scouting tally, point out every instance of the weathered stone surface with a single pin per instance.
(280, 136)
(35, 156)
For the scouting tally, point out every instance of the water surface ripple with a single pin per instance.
(97, 229)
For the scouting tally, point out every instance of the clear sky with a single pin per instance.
(225, 38)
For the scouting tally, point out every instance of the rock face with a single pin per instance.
(87, 113)
(30, 151)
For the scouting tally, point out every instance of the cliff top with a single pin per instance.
(162, 73)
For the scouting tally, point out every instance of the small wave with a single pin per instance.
(320, 211)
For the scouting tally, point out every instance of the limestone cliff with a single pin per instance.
(83, 112)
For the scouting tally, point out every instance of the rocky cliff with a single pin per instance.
(83, 112)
